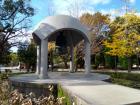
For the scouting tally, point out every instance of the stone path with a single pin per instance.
(102, 93)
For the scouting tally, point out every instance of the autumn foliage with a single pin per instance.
(124, 37)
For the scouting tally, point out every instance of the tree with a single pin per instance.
(51, 48)
(4, 53)
(27, 54)
(14, 59)
(125, 37)
(79, 55)
(51, 10)
(98, 28)
(14, 20)
(22, 48)
(97, 24)
(74, 8)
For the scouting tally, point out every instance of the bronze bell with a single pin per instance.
(61, 44)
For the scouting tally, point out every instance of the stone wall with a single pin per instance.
(38, 89)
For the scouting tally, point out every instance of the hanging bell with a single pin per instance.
(61, 44)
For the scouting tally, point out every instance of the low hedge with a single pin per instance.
(126, 79)
(127, 76)
(3, 76)
(128, 83)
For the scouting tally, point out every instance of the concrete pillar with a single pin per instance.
(38, 59)
(44, 59)
(71, 58)
(87, 57)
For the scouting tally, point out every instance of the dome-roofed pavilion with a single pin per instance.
(57, 27)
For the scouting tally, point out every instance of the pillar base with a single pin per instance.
(87, 74)
(71, 71)
(43, 76)
(37, 73)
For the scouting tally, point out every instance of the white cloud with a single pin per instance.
(95, 2)
(60, 6)
(112, 12)
(77, 7)
(92, 11)
(21, 38)
(138, 13)
(132, 1)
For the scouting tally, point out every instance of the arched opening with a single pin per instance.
(65, 40)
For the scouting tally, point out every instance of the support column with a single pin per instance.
(44, 59)
(71, 59)
(87, 57)
(38, 59)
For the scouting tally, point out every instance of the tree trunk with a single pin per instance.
(66, 65)
(129, 64)
(115, 63)
(138, 62)
(51, 60)
(64, 57)
(28, 67)
(103, 61)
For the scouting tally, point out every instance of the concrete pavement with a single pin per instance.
(102, 93)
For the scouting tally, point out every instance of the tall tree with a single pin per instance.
(74, 8)
(14, 20)
(50, 8)
(27, 54)
(14, 59)
(125, 37)
(4, 52)
(51, 48)
(97, 25)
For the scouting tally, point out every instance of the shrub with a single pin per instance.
(109, 61)
(17, 98)
(123, 62)
(126, 79)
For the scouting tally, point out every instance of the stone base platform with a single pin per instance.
(60, 77)
(87, 89)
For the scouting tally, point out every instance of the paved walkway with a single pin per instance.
(102, 93)
(89, 88)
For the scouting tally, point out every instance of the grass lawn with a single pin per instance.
(125, 79)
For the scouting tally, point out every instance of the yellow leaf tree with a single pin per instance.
(51, 48)
(124, 37)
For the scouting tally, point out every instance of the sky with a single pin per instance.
(44, 8)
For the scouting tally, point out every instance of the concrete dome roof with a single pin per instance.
(52, 24)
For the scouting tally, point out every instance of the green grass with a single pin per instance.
(126, 79)
(63, 93)
(128, 83)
